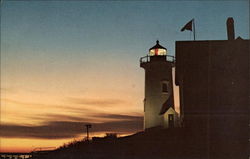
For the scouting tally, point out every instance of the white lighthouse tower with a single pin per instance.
(159, 108)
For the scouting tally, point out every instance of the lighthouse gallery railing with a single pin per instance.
(147, 59)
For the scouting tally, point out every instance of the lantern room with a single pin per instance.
(158, 50)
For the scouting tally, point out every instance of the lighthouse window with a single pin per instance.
(164, 87)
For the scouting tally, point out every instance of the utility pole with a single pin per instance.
(87, 127)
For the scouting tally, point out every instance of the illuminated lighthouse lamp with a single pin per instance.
(158, 50)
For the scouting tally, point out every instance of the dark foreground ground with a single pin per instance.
(177, 143)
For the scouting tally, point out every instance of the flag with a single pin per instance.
(188, 26)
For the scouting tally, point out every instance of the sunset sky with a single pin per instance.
(64, 64)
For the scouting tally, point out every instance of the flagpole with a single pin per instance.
(194, 29)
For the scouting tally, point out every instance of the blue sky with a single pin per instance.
(111, 26)
(55, 33)
(54, 51)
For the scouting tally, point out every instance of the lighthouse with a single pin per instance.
(159, 110)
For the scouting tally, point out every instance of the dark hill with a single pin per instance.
(156, 143)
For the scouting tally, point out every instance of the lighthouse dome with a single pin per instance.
(157, 50)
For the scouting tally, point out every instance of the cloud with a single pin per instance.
(8, 90)
(96, 101)
(118, 116)
(58, 117)
(18, 90)
(89, 118)
(68, 108)
(119, 126)
(51, 130)
(61, 125)
(20, 103)
(71, 129)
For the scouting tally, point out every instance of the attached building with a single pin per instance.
(214, 93)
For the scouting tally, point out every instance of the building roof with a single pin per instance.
(157, 46)
(166, 105)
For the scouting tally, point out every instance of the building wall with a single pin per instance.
(214, 85)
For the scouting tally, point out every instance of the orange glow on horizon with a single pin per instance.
(28, 145)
